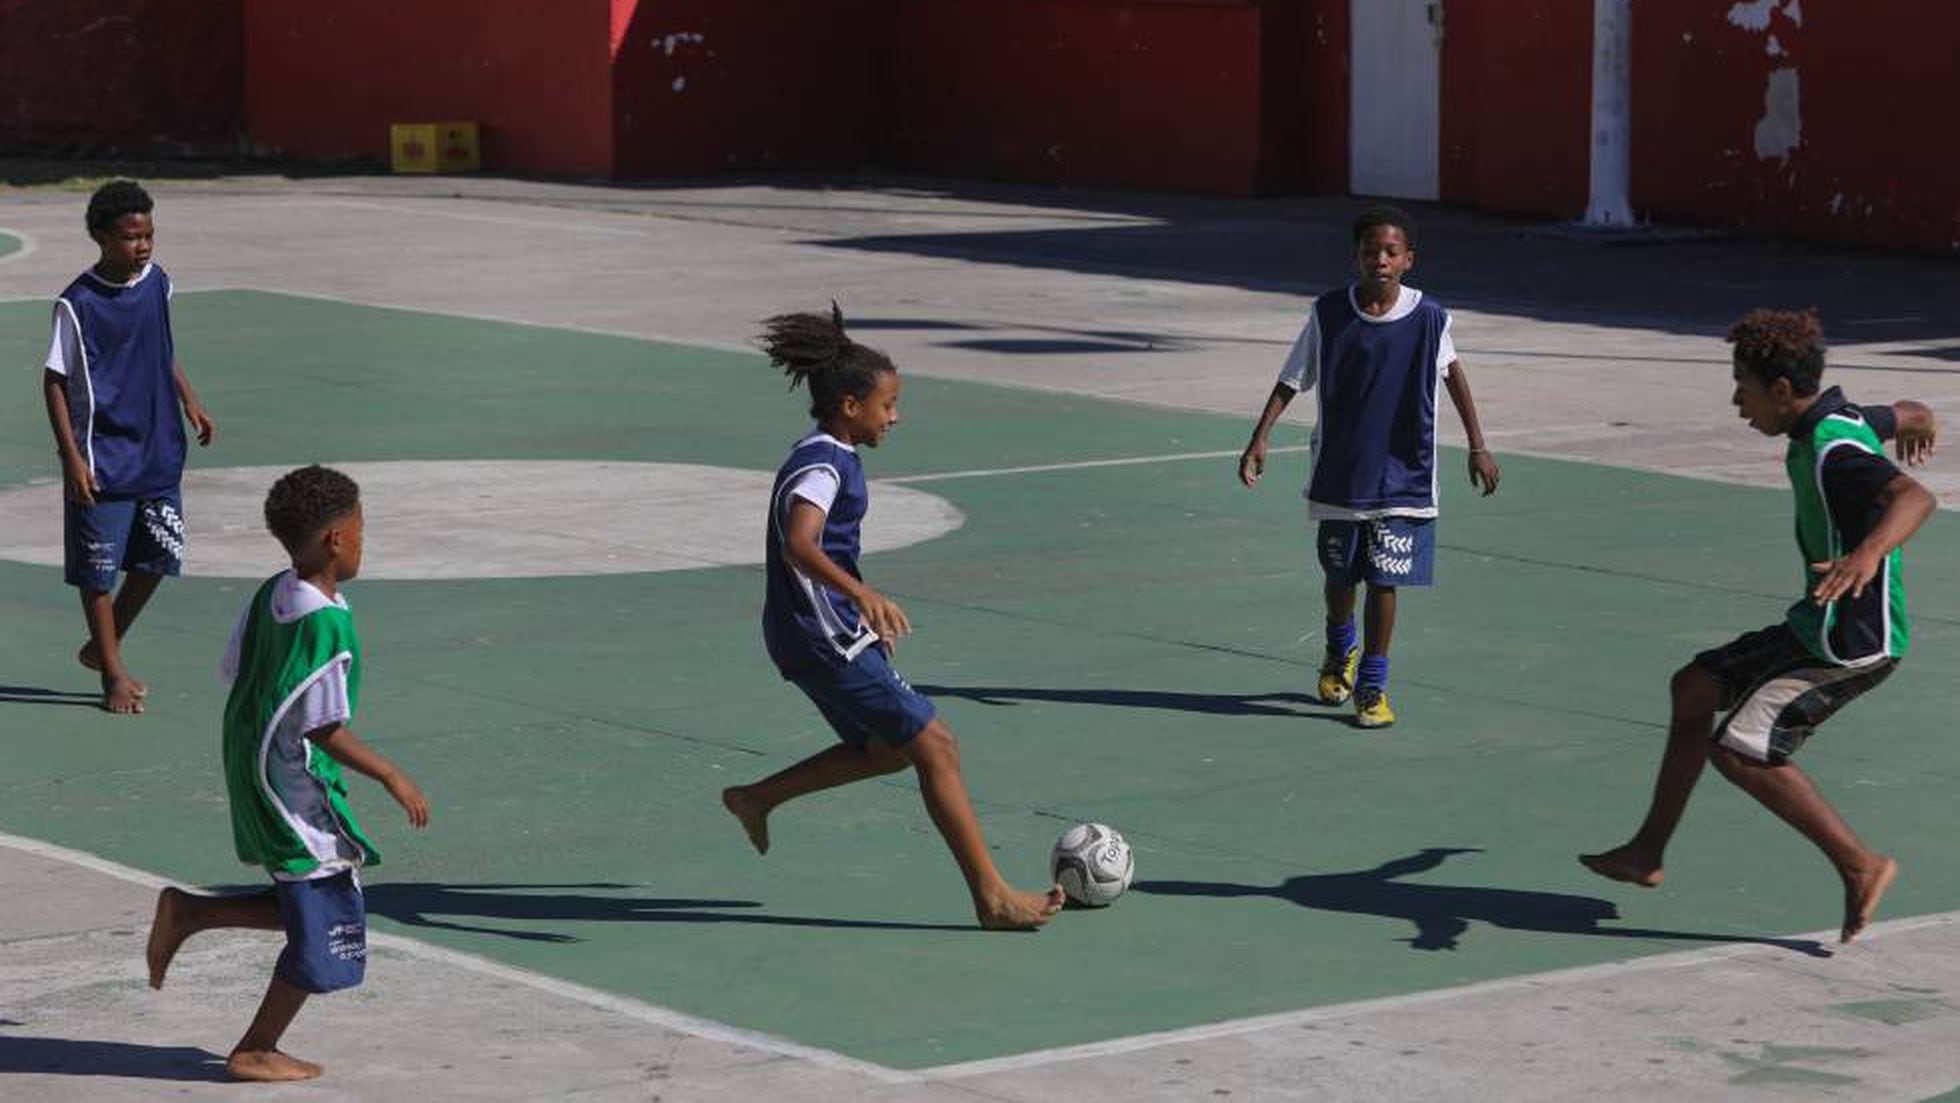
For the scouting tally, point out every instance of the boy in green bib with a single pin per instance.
(294, 666)
(1844, 635)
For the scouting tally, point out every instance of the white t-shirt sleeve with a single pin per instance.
(817, 486)
(228, 666)
(322, 704)
(65, 345)
(1446, 348)
(1302, 368)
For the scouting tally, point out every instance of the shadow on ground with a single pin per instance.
(81, 1057)
(1211, 704)
(35, 695)
(1443, 914)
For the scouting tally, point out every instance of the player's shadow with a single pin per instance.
(83, 1057)
(34, 695)
(1443, 913)
(1211, 704)
(448, 907)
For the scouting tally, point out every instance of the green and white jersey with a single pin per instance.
(295, 667)
(1837, 466)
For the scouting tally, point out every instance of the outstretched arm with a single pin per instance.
(1483, 466)
(1252, 462)
(200, 419)
(1907, 505)
(347, 749)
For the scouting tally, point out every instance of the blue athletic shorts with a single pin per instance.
(144, 534)
(326, 933)
(1385, 551)
(866, 699)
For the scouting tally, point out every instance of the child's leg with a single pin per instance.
(120, 692)
(1788, 791)
(180, 915)
(827, 769)
(257, 1056)
(1340, 601)
(137, 588)
(935, 755)
(1378, 620)
(1690, 732)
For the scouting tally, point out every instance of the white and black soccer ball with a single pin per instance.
(1093, 864)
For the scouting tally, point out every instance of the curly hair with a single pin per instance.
(1385, 216)
(813, 349)
(305, 501)
(113, 200)
(1781, 344)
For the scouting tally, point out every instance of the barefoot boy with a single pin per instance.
(114, 389)
(1844, 636)
(295, 671)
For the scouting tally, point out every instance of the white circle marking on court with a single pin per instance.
(494, 519)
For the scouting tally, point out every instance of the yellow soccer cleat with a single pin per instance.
(1371, 708)
(1337, 676)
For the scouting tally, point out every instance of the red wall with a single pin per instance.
(1878, 85)
(1517, 105)
(138, 74)
(706, 86)
(324, 80)
(1140, 94)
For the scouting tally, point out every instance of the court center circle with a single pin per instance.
(494, 519)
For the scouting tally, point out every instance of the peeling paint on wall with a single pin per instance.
(1752, 15)
(1780, 130)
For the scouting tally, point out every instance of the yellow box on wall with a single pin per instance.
(434, 147)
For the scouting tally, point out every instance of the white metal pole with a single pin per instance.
(1612, 115)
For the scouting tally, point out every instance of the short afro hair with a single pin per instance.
(1385, 216)
(1781, 344)
(304, 502)
(113, 200)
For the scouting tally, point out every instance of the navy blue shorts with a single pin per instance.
(143, 534)
(866, 699)
(1384, 551)
(326, 933)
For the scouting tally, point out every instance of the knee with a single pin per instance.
(1694, 690)
(934, 748)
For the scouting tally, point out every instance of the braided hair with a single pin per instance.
(813, 349)
(1781, 344)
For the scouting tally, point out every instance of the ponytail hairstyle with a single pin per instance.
(1781, 344)
(813, 349)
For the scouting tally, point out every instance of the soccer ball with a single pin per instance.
(1093, 864)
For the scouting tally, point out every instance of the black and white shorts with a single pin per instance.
(1776, 692)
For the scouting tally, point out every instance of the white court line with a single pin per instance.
(637, 1010)
(27, 245)
(667, 1018)
(501, 220)
(1168, 457)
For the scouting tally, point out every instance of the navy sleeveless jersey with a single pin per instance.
(122, 399)
(1375, 439)
(805, 624)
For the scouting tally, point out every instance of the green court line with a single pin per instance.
(1130, 644)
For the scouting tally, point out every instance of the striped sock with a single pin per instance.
(1374, 672)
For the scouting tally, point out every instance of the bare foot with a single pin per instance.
(91, 657)
(1625, 863)
(1014, 910)
(1861, 894)
(167, 932)
(268, 1065)
(754, 817)
(122, 695)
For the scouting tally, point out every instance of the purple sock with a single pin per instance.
(1340, 637)
(1374, 672)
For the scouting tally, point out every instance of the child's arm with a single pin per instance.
(1483, 467)
(1916, 433)
(76, 479)
(200, 419)
(1252, 462)
(1907, 505)
(347, 749)
(805, 549)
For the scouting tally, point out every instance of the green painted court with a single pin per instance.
(1129, 642)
